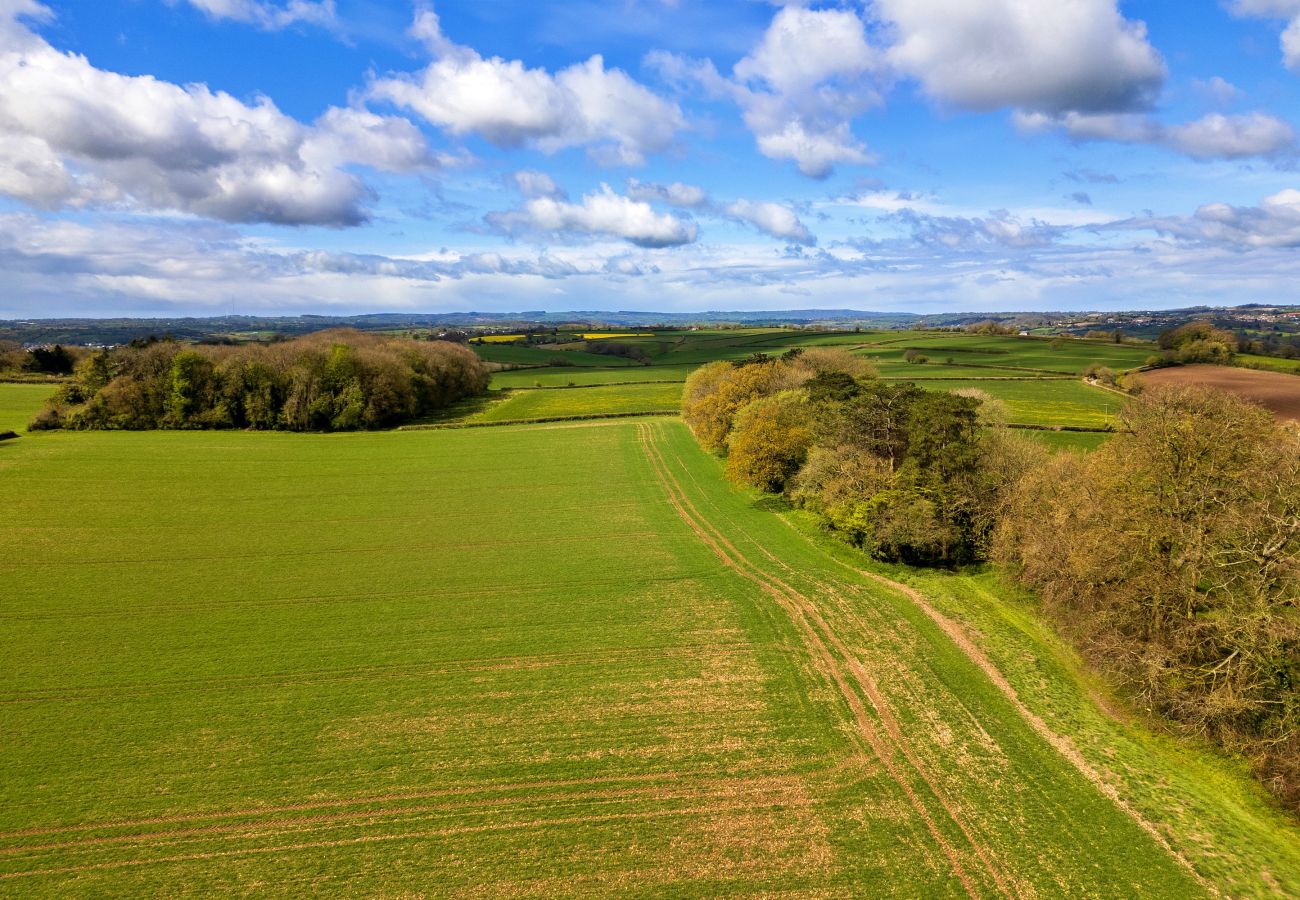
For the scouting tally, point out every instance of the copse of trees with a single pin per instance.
(1172, 555)
(55, 360)
(1197, 342)
(336, 380)
(906, 474)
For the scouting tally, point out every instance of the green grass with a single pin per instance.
(1272, 363)
(19, 403)
(1056, 402)
(541, 355)
(560, 376)
(502, 661)
(1071, 356)
(598, 400)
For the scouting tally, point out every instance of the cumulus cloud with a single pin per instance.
(1277, 9)
(1052, 58)
(772, 218)
(1274, 224)
(270, 16)
(600, 214)
(686, 196)
(76, 135)
(799, 89)
(510, 105)
(532, 183)
(1214, 136)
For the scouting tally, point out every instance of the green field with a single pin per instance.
(19, 403)
(597, 400)
(1038, 384)
(537, 660)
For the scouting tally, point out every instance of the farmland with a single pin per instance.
(1037, 380)
(436, 658)
(1274, 390)
(558, 658)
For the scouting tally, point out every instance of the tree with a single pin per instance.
(769, 441)
(1173, 555)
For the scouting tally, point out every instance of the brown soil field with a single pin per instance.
(1277, 391)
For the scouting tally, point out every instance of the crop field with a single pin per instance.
(534, 660)
(1276, 391)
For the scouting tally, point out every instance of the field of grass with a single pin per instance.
(1274, 363)
(1071, 356)
(560, 376)
(597, 400)
(1065, 402)
(558, 659)
(19, 403)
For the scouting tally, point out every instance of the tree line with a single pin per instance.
(1171, 555)
(334, 380)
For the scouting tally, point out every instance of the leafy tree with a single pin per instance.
(769, 441)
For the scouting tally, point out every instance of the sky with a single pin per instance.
(210, 157)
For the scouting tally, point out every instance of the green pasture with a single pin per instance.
(1056, 402)
(561, 376)
(596, 400)
(1070, 356)
(19, 403)
(1273, 363)
(557, 659)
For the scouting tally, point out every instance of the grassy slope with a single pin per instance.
(495, 660)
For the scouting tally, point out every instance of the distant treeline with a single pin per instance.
(336, 380)
(1171, 555)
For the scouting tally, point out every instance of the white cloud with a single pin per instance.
(601, 214)
(350, 135)
(1277, 9)
(1274, 224)
(772, 218)
(77, 135)
(686, 196)
(270, 16)
(800, 88)
(1214, 136)
(1218, 90)
(510, 105)
(532, 183)
(1081, 55)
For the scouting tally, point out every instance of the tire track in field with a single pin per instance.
(776, 787)
(379, 673)
(803, 614)
(710, 809)
(880, 704)
(329, 551)
(1059, 742)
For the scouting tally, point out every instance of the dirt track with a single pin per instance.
(1276, 391)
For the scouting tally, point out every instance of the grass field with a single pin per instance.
(596, 400)
(1066, 402)
(20, 402)
(558, 659)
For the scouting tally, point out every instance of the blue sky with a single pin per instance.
(200, 157)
